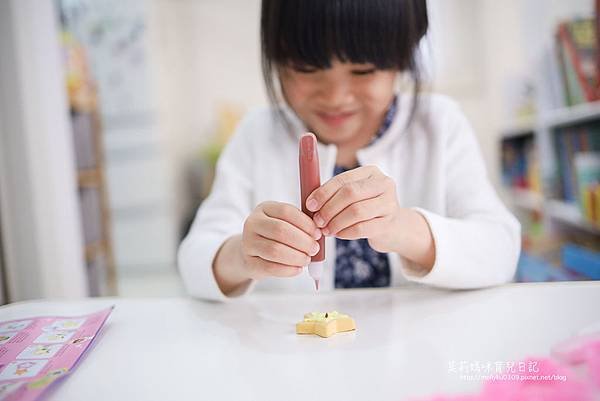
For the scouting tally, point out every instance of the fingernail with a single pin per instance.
(319, 220)
(325, 231)
(315, 249)
(317, 234)
(311, 204)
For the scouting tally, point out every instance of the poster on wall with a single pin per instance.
(114, 35)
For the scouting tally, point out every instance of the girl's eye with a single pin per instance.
(304, 69)
(364, 72)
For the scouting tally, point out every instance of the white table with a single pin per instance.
(407, 339)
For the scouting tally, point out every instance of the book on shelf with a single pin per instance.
(520, 164)
(587, 167)
(581, 260)
(551, 257)
(533, 268)
(569, 142)
(577, 53)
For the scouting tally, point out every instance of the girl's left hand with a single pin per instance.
(359, 203)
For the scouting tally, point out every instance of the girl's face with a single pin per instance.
(344, 104)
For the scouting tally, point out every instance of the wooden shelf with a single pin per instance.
(93, 249)
(95, 178)
(89, 178)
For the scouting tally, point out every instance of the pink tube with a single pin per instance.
(310, 180)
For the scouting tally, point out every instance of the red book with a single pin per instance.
(579, 50)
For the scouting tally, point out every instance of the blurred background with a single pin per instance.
(113, 113)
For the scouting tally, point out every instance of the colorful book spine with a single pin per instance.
(520, 165)
(570, 142)
(587, 167)
(581, 260)
(564, 164)
(577, 54)
(533, 268)
(596, 214)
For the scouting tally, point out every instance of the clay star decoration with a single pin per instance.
(325, 324)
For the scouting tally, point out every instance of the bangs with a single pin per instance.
(311, 33)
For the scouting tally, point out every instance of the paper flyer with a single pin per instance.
(34, 352)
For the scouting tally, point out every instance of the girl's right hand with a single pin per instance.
(278, 240)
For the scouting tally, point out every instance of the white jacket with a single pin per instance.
(438, 170)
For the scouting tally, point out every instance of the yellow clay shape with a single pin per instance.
(325, 324)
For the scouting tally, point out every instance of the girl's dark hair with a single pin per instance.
(385, 33)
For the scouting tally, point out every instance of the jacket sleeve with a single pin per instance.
(477, 241)
(221, 215)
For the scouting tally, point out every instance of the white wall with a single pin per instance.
(38, 193)
(207, 53)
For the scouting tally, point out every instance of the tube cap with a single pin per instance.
(315, 269)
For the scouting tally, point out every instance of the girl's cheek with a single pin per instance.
(379, 93)
(298, 90)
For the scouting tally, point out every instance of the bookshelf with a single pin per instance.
(551, 161)
(534, 161)
(93, 199)
(90, 163)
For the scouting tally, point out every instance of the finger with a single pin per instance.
(363, 229)
(279, 253)
(347, 195)
(267, 268)
(355, 213)
(283, 232)
(322, 194)
(294, 216)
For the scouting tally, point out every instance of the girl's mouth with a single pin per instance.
(335, 119)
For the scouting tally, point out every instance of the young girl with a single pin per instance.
(405, 195)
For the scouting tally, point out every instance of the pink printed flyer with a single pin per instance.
(34, 352)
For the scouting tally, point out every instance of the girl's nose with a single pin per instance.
(336, 93)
